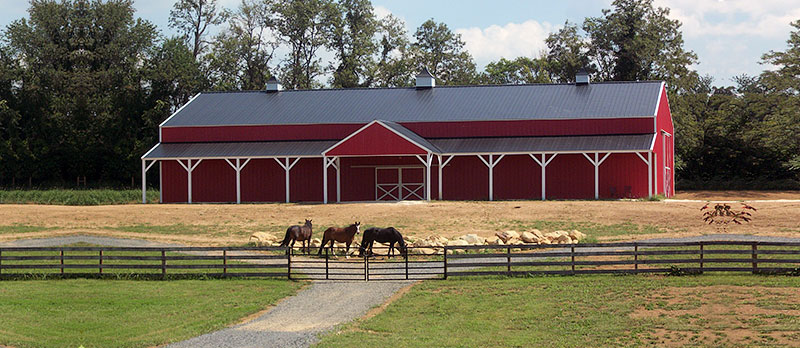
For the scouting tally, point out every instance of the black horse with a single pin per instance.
(298, 233)
(382, 235)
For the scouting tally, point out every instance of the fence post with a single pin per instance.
(508, 257)
(62, 261)
(636, 258)
(366, 267)
(406, 254)
(755, 257)
(225, 262)
(702, 255)
(100, 269)
(289, 263)
(163, 262)
(572, 257)
(445, 262)
(326, 264)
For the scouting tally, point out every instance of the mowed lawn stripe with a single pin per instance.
(124, 313)
(579, 311)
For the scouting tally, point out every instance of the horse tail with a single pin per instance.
(325, 236)
(286, 239)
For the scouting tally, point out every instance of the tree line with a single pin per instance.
(85, 83)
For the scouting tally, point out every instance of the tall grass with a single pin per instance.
(76, 197)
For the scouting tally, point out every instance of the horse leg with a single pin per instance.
(347, 250)
(391, 249)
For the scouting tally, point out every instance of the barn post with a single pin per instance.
(287, 166)
(597, 161)
(144, 183)
(238, 168)
(324, 180)
(189, 180)
(543, 163)
(491, 163)
(649, 174)
(441, 165)
(338, 179)
(649, 162)
(428, 161)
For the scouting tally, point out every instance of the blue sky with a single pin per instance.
(729, 36)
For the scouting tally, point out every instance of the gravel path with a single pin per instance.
(298, 320)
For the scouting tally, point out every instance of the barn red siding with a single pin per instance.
(424, 129)
(213, 181)
(173, 183)
(263, 181)
(531, 128)
(664, 122)
(465, 178)
(622, 175)
(375, 140)
(517, 177)
(570, 176)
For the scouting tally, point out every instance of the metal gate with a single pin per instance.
(399, 183)
(379, 266)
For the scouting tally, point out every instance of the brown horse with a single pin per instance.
(299, 233)
(341, 235)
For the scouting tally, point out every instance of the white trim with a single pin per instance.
(441, 168)
(543, 164)
(538, 152)
(428, 161)
(161, 125)
(149, 151)
(179, 110)
(325, 153)
(287, 167)
(653, 143)
(658, 104)
(238, 168)
(596, 162)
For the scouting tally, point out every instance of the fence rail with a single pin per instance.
(611, 258)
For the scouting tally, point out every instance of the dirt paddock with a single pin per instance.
(230, 223)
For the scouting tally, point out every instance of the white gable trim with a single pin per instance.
(324, 153)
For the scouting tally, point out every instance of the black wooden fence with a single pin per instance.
(634, 257)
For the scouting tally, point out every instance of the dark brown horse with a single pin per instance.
(299, 233)
(341, 235)
(382, 235)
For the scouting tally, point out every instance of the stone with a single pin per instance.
(473, 239)
(529, 237)
(494, 241)
(507, 235)
(576, 235)
(564, 239)
(537, 233)
(261, 239)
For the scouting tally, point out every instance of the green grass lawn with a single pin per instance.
(76, 197)
(586, 311)
(123, 313)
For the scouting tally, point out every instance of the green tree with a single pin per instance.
(352, 39)
(304, 26)
(192, 18)
(440, 50)
(242, 54)
(519, 70)
(637, 41)
(786, 75)
(567, 52)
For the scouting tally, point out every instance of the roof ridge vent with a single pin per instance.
(425, 79)
(273, 85)
(582, 77)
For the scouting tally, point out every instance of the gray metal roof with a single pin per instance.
(448, 103)
(600, 143)
(240, 150)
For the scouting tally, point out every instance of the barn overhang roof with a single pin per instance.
(165, 151)
(564, 144)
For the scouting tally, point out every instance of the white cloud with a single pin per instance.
(732, 18)
(508, 41)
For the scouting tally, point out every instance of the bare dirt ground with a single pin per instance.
(232, 224)
(723, 316)
(737, 195)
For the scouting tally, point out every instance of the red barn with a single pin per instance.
(539, 141)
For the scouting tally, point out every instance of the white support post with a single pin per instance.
(238, 168)
(596, 162)
(189, 169)
(491, 163)
(324, 180)
(144, 183)
(441, 165)
(338, 180)
(428, 162)
(543, 163)
(145, 168)
(287, 166)
(649, 162)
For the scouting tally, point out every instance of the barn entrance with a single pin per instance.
(399, 183)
